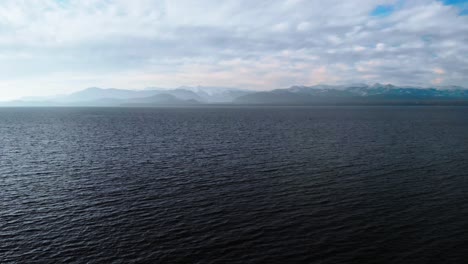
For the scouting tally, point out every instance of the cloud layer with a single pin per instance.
(58, 46)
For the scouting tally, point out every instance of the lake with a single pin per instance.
(234, 185)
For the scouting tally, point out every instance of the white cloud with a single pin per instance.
(281, 27)
(359, 48)
(439, 71)
(380, 46)
(304, 26)
(50, 46)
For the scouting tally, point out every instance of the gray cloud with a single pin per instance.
(58, 46)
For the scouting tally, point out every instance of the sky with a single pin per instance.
(52, 47)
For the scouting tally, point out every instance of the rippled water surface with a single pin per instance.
(234, 185)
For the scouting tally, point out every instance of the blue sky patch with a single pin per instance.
(460, 4)
(455, 2)
(62, 3)
(383, 10)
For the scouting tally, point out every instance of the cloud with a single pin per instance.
(51, 46)
(303, 26)
(439, 71)
(437, 81)
(380, 47)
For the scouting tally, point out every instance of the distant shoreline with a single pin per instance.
(419, 104)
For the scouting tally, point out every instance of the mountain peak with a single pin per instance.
(92, 89)
(380, 85)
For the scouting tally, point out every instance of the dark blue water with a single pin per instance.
(234, 185)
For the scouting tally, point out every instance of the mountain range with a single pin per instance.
(354, 94)
(357, 94)
(95, 96)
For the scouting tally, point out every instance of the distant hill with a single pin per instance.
(94, 93)
(199, 94)
(160, 100)
(217, 94)
(95, 96)
(353, 94)
(357, 94)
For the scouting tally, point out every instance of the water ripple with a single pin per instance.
(234, 185)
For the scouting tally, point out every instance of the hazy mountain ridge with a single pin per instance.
(161, 99)
(295, 95)
(200, 94)
(94, 93)
(95, 96)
